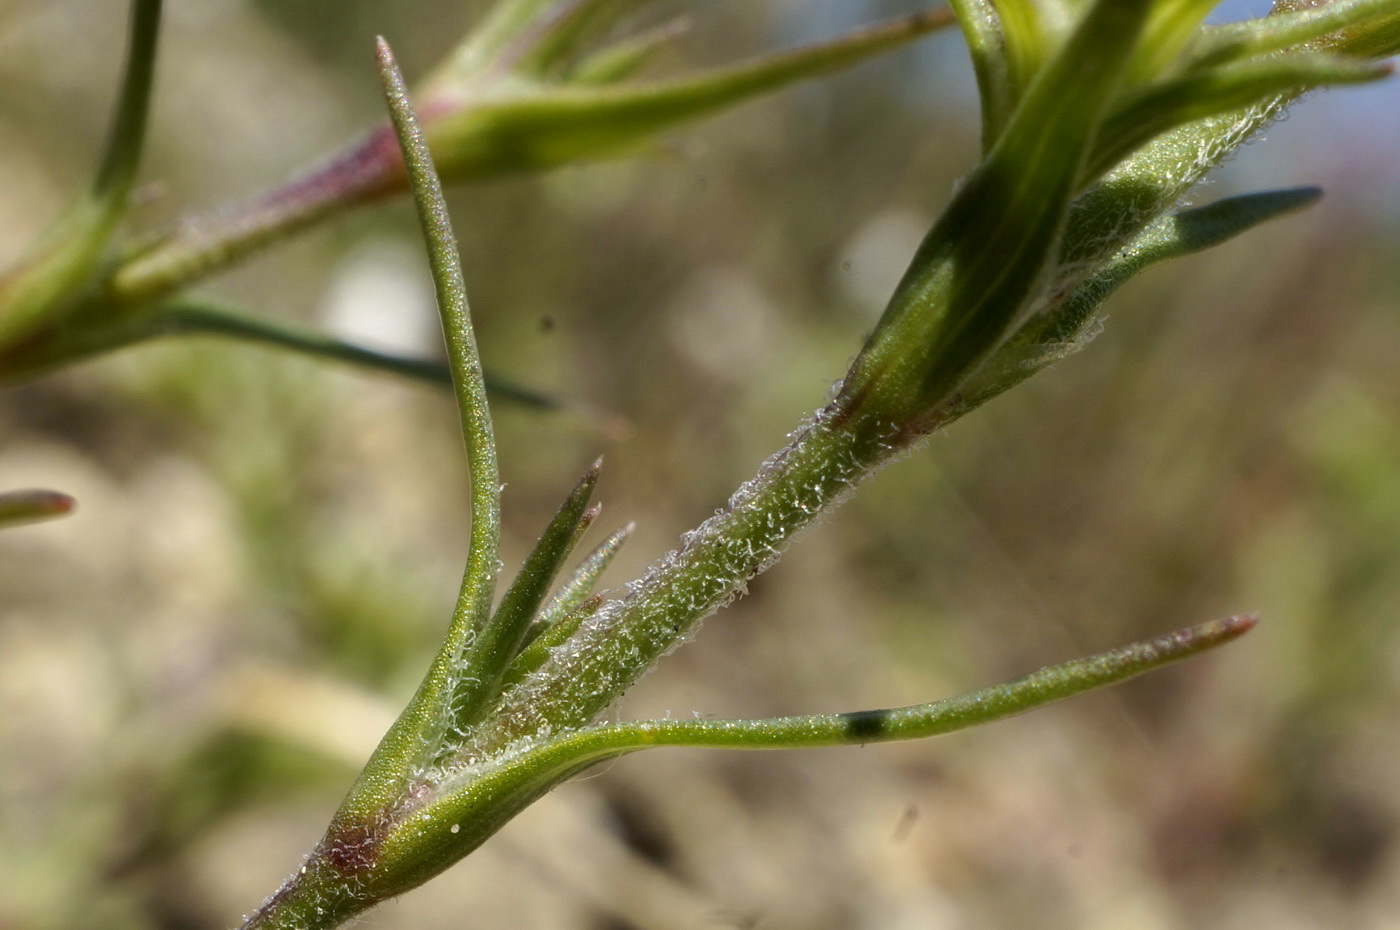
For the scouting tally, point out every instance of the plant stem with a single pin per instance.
(195, 317)
(200, 246)
(117, 174)
(479, 132)
(59, 264)
(315, 898)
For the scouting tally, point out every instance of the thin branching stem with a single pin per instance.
(199, 316)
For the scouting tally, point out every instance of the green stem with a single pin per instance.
(117, 174)
(317, 898)
(60, 264)
(481, 135)
(200, 246)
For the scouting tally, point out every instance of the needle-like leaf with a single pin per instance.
(117, 175)
(415, 737)
(981, 29)
(523, 776)
(195, 316)
(472, 138)
(920, 721)
(557, 39)
(581, 583)
(497, 640)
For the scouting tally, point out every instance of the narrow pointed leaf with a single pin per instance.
(1174, 26)
(498, 640)
(581, 583)
(33, 506)
(117, 175)
(503, 27)
(471, 807)
(414, 738)
(1025, 41)
(567, 124)
(573, 603)
(1172, 236)
(919, 721)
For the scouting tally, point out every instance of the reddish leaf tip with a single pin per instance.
(1218, 632)
(384, 55)
(1239, 624)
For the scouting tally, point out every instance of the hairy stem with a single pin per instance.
(613, 649)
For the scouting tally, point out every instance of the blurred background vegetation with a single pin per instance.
(267, 548)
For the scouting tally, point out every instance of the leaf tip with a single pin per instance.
(1239, 624)
(589, 481)
(1218, 632)
(1307, 195)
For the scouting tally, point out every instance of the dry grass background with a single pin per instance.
(192, 667)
